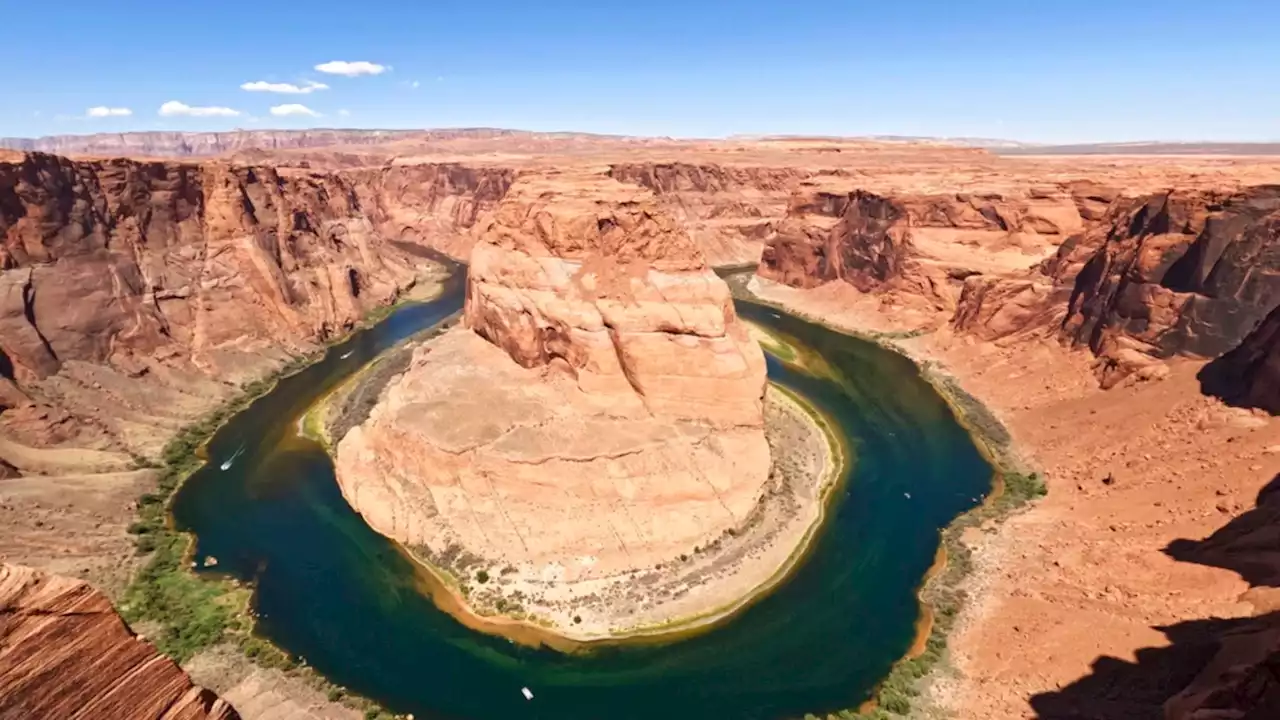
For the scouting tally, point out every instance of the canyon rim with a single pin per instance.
(1117, 313)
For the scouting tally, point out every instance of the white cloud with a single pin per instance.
(344, 112)
(351, 69)
(175, 108)
(102, 111)
(286, 88)
(415, 84)
(293, 109)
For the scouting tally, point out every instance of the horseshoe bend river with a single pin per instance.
(351, 603)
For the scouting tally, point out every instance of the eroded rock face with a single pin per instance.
(915, 244)
(64, 653)
(1249, 375)
(594, 278)
(866, 246)
(599, 413)
(175, 279)
(1176, 273)
(1181, 273)
(728, 211)
(434, 205)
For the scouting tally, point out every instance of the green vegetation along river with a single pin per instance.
(347, 600)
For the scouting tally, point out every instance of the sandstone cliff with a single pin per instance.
(600, 413)
(1179, 272)
(151, 289)
(593, 276)
(1249, 375)
(433, 205)
(64, 654)
(727, 210)
(916, 248)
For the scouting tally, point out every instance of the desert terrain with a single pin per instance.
(1115, 312)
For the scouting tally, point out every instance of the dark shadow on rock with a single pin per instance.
(1117, 689)
(1212, 668)
(1249, 544)
(1249, 374)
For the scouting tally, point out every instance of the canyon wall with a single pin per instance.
(1249, 375)
(133, 295)
(432, 205)
(918, 247)
(1173, 273)
(592, 275)
(727, 210)
(1136, 280)
(64, 653)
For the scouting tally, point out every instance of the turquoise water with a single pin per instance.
(337, 594)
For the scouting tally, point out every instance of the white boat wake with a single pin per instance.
(226, 464)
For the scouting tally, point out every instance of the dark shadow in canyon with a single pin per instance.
(1116, 689)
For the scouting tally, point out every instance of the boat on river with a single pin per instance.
(226, 464)
(346, 355)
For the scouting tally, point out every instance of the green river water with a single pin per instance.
(332, 591)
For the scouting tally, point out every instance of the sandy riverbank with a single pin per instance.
(1082, 580)
(679, 595)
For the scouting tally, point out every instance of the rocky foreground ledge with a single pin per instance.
(64, 653)
(591, 450)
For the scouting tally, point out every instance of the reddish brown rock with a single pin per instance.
(728, 211)
(431, 205)
(590, 274)
(64, 653)
(1249, 375)
(154, 288)
(1180, 273)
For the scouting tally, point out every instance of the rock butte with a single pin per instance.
(136, 294)
(66, 654)
(600, 412)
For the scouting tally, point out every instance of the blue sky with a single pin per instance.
(1036, 70)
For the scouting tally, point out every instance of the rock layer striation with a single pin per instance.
(152, 289)
(65, 654)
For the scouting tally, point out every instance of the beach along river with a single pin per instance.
(347, 600)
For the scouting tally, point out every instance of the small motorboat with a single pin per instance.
(906, 495)
(226, 464)
(346, 355)
(528, 694)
